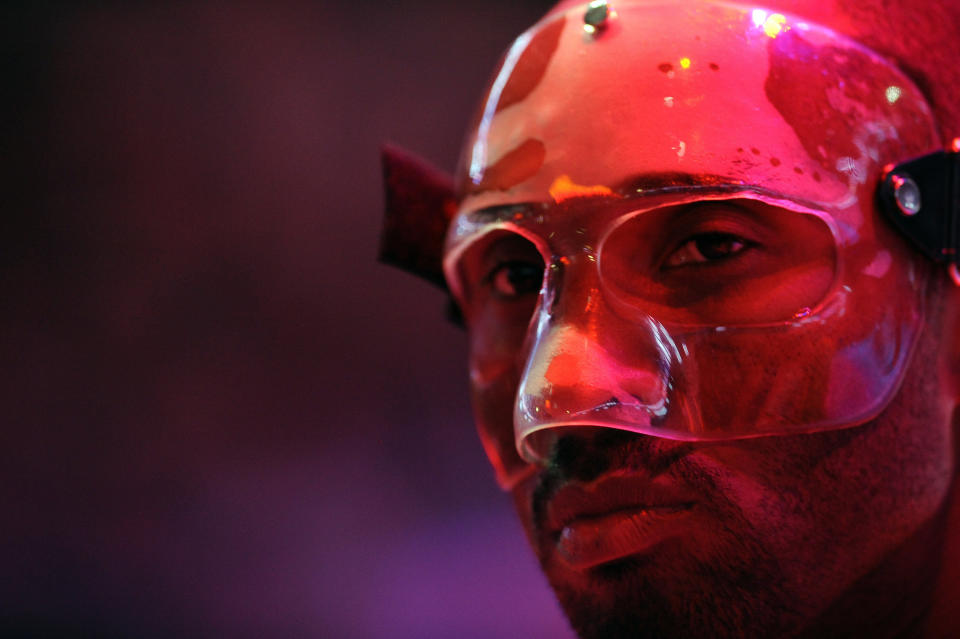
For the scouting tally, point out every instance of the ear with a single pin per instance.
(420, 203)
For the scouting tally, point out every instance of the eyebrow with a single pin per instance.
(659, 182)
(668, 180)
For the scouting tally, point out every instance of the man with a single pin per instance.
(706, 254)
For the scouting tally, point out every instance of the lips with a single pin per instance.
(614, 518)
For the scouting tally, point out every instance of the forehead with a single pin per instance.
(688, 93)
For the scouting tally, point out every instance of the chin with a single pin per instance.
(704, 581)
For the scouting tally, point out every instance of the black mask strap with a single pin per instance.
(420, 203)
(921, 198)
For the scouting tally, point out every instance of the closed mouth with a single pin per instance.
(613, 518)
(590, 541)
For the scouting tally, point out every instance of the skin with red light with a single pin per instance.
(848, 532)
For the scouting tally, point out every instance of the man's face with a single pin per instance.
(750, 537)
(740, 457)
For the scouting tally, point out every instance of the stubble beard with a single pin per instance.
(636, 599)
(728, 587)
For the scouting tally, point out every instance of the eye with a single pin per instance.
(706, 247)
(515, 278)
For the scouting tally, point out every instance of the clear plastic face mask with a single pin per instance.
(668, 228)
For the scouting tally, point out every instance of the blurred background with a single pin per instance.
(221, 416)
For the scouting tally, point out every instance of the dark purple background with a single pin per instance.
(221, 416)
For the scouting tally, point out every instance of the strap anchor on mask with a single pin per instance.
(921, 198)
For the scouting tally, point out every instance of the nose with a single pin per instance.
(587, 367)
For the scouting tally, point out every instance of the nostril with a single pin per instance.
(541, 446)
(577, 451)
(536, 447)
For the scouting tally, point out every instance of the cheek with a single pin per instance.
(522, 495)
(829, 506)
(496, 362)
(951, 350)
(496, 336)
(493, 414)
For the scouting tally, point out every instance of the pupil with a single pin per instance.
(717, 245)
(524, 278)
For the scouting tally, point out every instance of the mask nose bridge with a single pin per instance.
(587, 367)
